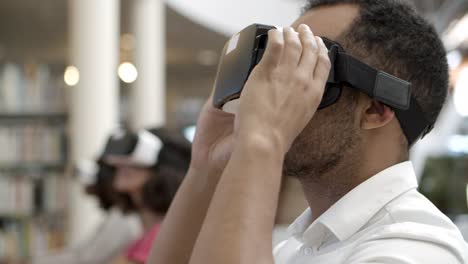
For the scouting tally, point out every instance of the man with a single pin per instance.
(351, 157)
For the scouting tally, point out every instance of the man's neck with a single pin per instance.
(325, 190)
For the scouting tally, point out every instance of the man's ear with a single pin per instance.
(376, 115)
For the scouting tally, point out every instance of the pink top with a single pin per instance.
(139, 250)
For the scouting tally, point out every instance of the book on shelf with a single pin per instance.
(31, 144)
(32, 211)
(29, 238)
(54, 193)
(16, 196)
(23, 196)
(33, 195)
(30, 88)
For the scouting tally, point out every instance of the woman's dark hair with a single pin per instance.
(103, 187)
(167, 174)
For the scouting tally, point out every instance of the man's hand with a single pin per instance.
(285, 89)
(212, 145)
(279, 99)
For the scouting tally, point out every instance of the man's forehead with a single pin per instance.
(329, 21)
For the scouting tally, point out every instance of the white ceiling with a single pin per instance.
(228, 17)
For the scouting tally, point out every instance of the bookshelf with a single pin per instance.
(24, 117)
(33, 137)
(13, 168)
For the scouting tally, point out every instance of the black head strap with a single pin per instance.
(377, 84)
(413, 122)
(381, 86)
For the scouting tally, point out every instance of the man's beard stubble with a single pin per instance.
(327, 141)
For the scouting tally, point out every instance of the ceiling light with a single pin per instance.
(71, 76)
(127, 72)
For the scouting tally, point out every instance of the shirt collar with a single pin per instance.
(356, 208)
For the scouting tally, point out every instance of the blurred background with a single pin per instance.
(70, 71)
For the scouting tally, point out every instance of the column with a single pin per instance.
(94, 38)
(148, 92)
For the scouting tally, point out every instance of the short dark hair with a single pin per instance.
(391, 36)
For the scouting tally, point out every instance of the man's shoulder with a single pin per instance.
(417, 230)
(405, 250)
(409, 229)
(413, 207)
(414, 220)
(411, 242)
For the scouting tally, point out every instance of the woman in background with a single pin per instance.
(149, 171)
(117, 231)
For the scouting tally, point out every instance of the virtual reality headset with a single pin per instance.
(141, 149)
(245, 50)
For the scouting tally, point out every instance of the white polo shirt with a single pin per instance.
(384, 220)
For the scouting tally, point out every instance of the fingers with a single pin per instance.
(299, 52)
(310, 51)
(292, 49)
(322, 69)
(314, 65)
(274, 49)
